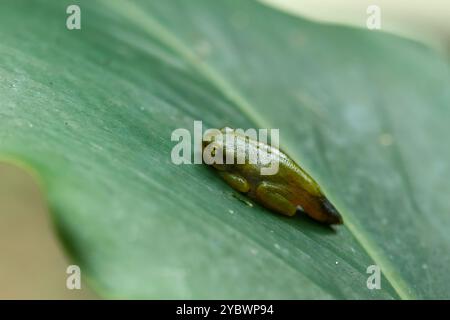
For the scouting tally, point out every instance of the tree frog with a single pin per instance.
(288, 191)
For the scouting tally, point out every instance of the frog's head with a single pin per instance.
(214, 145)
(213, 138)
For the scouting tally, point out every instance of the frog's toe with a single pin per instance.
(237, 182)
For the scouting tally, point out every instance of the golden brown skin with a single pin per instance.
(287, 191)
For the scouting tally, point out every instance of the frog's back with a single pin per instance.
(288, 171)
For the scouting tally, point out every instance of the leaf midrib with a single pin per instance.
(152, 27)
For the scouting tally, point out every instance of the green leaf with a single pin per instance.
(91, 113)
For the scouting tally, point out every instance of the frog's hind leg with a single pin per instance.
(237, 182)
(274, 197)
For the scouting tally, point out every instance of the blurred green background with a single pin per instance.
(33, 263)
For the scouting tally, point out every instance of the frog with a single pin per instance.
(289, 191)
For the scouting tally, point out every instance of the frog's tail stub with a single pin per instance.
(331, 213)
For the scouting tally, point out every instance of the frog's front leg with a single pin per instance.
(236, 181)
(273, 196)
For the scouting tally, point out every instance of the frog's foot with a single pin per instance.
(274, 197)
(237, 182)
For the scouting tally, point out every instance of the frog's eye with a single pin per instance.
(219, 152)
(211, 151)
